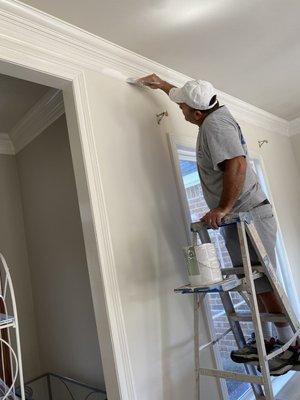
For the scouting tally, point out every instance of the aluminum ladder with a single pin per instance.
(261, 383)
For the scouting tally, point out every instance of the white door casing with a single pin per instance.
(26, 54)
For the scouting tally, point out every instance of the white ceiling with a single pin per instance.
(16, 98)
(246, 48)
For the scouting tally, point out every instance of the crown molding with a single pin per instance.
(294, 127)
(44, 112)
(6, 145)
(92, 52)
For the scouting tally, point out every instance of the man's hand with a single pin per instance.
(213, 218)
(155, 82)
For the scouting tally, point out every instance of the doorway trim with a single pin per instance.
(30, 51)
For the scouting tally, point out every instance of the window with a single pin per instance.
(198, 208)
(232, 390)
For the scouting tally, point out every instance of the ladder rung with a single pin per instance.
(247, 316)
(231, 375)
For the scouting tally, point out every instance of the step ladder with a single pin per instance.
(261, 383)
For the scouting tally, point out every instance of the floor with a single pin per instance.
(291, 391)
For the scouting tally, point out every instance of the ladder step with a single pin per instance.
(247, 317)
(226, 285)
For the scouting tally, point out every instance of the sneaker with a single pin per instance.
(248, 354)
(284, 362)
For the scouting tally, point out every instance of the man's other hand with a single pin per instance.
(213, 218)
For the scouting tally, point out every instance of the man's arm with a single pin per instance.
(233, 181)
(155, 82)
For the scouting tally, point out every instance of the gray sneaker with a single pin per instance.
(284, 362)
(249, 354)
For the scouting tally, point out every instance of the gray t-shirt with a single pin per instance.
(220, 138)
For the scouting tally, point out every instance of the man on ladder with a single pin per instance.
(230, 185)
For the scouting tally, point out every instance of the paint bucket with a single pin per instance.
(203, 264)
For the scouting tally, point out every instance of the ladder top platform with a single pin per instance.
(222, 286)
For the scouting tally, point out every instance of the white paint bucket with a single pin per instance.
(202, 264)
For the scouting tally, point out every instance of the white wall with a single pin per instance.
(296, 147)
(147, 227)
(148, 234)
(13, 247)
(65, 318)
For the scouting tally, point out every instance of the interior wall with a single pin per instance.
(148, 232)
(13, 247)
(65, 317)
(296, 147)
(148, 235)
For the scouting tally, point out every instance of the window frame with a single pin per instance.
(189, 142)
(185, 144)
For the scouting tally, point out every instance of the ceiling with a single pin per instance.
(16, 98)
(246, 48)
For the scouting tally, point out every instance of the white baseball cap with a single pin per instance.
(196, 94)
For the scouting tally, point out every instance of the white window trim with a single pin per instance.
(189, 142)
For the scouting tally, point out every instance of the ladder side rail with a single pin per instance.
(198, 298)
(198, 301)
(254, 308)
(201, 229)
(271, 275)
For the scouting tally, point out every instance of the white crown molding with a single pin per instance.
(90, 51)
(6, 145)
(44, 112)
(294, 128)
